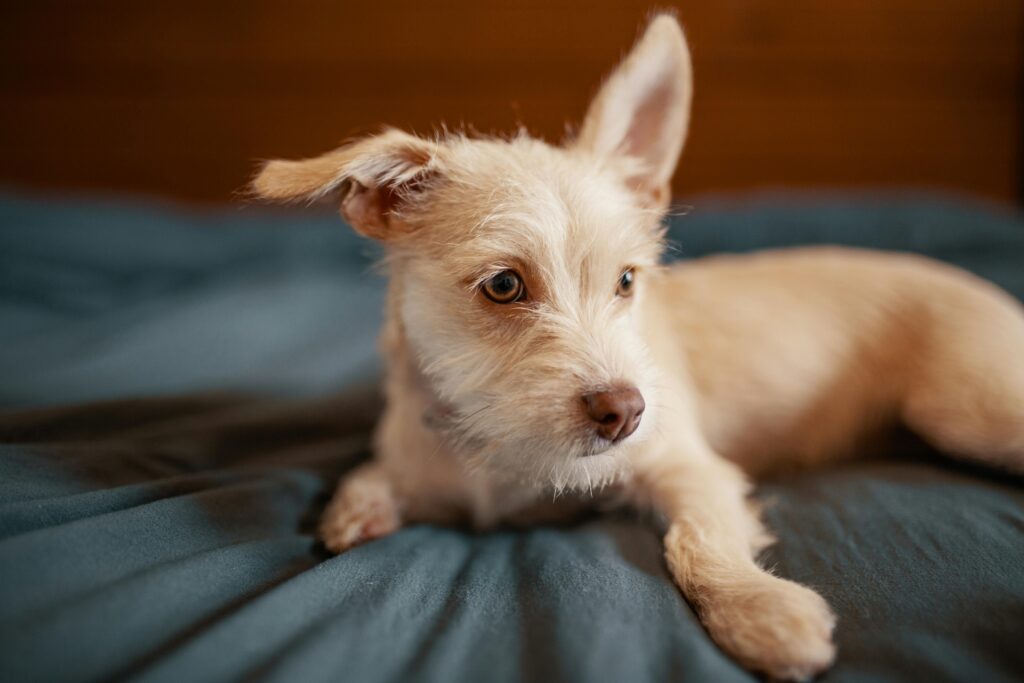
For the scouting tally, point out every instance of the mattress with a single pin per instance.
(182, 388)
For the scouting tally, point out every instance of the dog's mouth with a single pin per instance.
(597, 446)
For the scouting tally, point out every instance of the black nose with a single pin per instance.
(615, 413)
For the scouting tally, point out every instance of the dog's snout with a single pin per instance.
(615, 413)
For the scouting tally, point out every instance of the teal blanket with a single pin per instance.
(183, 389)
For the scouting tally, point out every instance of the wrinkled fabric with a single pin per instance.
(182, 390)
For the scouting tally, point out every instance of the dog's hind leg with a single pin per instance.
(965, 392)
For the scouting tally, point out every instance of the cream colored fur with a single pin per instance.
(746, 362)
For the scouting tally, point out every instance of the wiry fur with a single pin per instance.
(745, 362)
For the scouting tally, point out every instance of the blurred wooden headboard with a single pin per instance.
(182, 99)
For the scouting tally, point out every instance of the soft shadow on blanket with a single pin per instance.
(163, 538)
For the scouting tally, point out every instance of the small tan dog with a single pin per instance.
(534, 345)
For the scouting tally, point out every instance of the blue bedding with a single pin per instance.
(182, 389)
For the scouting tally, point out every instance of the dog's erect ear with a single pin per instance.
(375, 177)
(643, 109)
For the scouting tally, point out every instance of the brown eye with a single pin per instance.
(626, 283)
(504, 288)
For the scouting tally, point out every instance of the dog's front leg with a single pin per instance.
(766, 623)
(364, 507)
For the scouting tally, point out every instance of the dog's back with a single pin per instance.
(800, 354)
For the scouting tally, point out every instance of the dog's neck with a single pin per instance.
(487, 497)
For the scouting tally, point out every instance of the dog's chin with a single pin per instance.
(592, 472)
(588, 467)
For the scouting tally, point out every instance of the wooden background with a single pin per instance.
(181, 98)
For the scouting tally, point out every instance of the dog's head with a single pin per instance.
(519, 268)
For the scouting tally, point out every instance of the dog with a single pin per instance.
(534, 345)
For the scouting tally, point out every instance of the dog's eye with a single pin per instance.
(626, 283)
(504, 288)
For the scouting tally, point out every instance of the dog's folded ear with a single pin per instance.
(643, 109)
(376, 177)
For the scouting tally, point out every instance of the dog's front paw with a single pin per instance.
(774, 626)
(363, 509)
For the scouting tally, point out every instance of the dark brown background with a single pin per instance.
(181, 98)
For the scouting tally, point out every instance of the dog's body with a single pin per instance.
(534, 345)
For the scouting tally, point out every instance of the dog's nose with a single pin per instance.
(616, 413)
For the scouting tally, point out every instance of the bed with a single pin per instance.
(182, 388)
